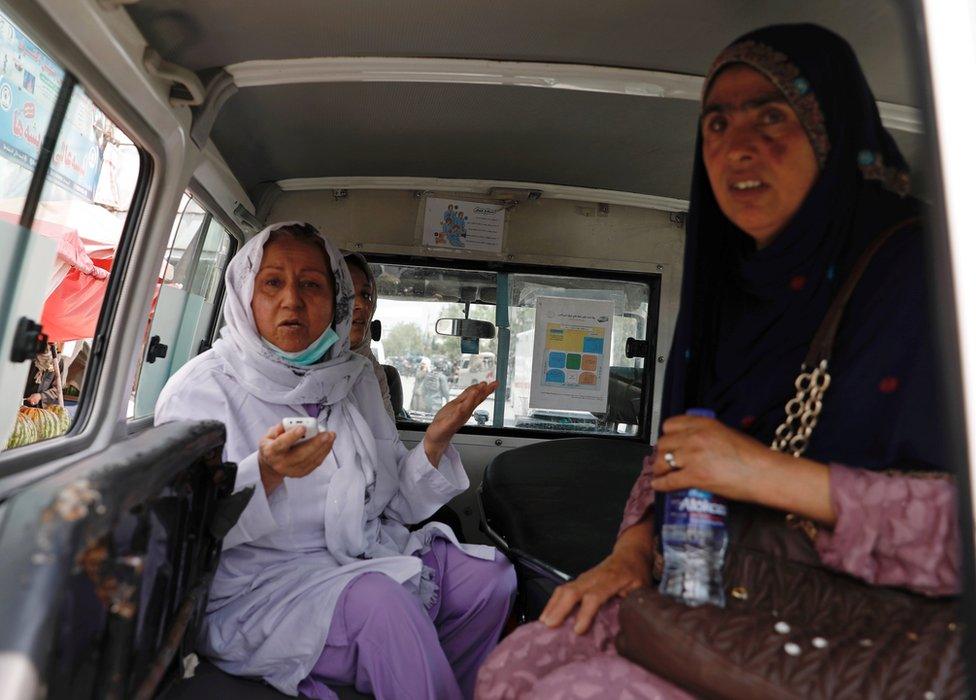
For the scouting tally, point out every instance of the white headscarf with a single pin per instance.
(262, 372)
(364, 348)
(327, 383)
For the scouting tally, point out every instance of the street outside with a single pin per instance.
(488, 405)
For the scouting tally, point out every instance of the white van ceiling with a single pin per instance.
(603, 141)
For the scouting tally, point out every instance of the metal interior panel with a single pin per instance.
(611, 142)
(24, 257)
(669, 35)
(614, 142)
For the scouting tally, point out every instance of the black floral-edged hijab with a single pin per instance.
(747, 316)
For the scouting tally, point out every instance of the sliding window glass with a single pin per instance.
(557, 344)
(69, 174)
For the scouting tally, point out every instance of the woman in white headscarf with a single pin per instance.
(364, 286)
(320, 581)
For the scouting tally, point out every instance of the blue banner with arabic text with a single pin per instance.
(29, 84)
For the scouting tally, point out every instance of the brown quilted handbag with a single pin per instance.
(791, 628)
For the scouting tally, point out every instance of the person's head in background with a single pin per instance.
(365, 303)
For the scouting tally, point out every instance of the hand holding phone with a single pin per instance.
(281, 453)
(310, 424)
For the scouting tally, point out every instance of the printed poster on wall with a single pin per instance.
(29, 85)
(462, 225)
(571, 355)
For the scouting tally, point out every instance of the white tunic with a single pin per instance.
(276, 586)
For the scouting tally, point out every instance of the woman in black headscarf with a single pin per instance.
(794, 179)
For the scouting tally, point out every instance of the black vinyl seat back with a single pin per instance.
(560, 502)
(107, 562)
(626, 388)
(396, 391)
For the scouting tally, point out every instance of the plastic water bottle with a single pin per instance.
(694, 539)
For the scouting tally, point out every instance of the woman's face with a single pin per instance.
(759, 160)
(293, 300)
(363, 308)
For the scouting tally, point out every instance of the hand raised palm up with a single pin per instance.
(452, 416)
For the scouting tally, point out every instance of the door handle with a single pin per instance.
(156, 350)
(636, 348)
(28, 340)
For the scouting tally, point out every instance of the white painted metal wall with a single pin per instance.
(557, 232)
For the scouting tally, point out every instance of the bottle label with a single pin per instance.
(695, 508)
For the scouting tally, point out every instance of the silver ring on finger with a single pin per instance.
(669, 459)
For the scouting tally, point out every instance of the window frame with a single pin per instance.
(28, 457)
(216, 320)
(209, 204)
(652, 279)
(116, 282)
(206, 203)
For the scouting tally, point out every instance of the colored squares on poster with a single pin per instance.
(573, 361)
(587, 378)
(557, 360)
(556, 376)
(590, 363)
(594, 345)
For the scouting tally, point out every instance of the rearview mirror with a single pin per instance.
(465, 328)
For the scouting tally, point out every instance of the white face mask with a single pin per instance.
(310, 355)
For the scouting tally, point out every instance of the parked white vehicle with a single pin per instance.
(476, 368)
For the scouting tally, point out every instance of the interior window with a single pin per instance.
(184, 308)
(85, 191)
(596, 388)
(432, 367)
(561, 356)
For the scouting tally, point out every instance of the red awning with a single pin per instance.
(79, 283)
(72, 309)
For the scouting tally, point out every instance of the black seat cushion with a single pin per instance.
(396, 391)
(447, 516)
(210, 683)
(561, 501)
(557, 505)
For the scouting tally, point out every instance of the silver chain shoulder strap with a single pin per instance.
(793, 434)
(802, 411)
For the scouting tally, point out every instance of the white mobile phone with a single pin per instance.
(310, 424)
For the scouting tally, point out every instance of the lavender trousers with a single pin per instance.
(384, 642)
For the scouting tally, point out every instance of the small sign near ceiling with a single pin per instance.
(463, 225)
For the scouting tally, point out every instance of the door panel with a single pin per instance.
(166, 323)
(106, 565)
(26, 259)
(187, 300)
